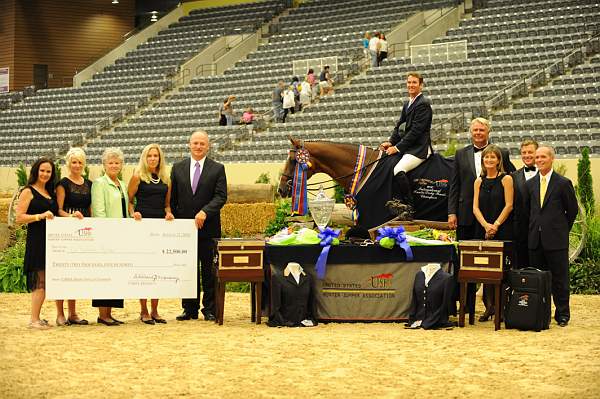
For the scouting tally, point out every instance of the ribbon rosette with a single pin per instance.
(388, 236)
(328, 238)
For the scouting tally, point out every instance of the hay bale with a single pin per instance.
(250, 193)
(4, 205)
(246, 220)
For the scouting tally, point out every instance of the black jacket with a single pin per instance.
(416, 137)
(211, 195)
(552, 222)
(291, 302)
(431, 304)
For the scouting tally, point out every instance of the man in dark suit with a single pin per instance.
(199, 191)
(552, 204)
(414, 142)
(520, 217)
(467, 166)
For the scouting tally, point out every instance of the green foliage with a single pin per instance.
(585, 271)
(12, 277)
(585, 276)
(58, 168)
(584, 182)
(264, 178)
(237, 287)
(451, 150)
(338, 194)
(282, 211)
(86, 172)
(21, 175)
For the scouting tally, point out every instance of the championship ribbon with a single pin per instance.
(299, 194)
(327, 236)
(349, 198)
(388, 236)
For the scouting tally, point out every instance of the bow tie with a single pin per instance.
(530, 169)
(476, 150)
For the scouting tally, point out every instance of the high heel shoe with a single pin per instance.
(62, 323)
(486, 315)
(148, 321)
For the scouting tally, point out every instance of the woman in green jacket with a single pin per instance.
(109, 200)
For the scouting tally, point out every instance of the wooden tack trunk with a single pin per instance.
(487, 259)
(240, 259)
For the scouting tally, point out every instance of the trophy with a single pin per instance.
(321, 208)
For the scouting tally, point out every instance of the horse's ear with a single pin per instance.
(295, 142)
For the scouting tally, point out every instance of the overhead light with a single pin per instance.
(154, 18)
(115, 1)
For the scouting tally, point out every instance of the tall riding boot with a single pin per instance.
(488, 302)
(405, 190)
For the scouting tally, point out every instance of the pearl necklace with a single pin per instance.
(153, 180)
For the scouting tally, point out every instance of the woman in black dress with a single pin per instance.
(74, 198)
(492, 207)
(149, 196)
(36, 204)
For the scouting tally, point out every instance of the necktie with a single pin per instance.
(543, 186)
(476, 149)
(530, 169)
(196, 177)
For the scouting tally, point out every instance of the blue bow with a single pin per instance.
(398, 235)
(327, 235)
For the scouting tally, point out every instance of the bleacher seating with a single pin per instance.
(57, 118)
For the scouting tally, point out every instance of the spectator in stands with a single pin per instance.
(492, 207)
(149, 193)
(467, 166)
(310, 77)
(109, 201)
(74, 198)
(199, 191)
(296, 87)
(305, 93)
(365, 43)
(529, 170)
(325, 82)
(552, 208)
(37, 204)
(278, 101)
(227, 110)
(374, 49)
(383, 49)
(414, 143)
(248, 116)
(288, 101)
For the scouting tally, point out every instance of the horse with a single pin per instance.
(373, 193)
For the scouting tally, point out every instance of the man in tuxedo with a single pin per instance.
(521, 251)
(199, 191)
(414, 142)
(467, 166)
(552, 204)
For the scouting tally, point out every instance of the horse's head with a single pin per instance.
(287, 177)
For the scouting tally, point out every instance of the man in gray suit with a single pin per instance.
(199, 191)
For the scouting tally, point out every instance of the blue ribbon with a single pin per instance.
(398, 234)
(299, 194)
(326, 235)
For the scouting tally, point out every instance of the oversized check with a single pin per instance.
(120, 258)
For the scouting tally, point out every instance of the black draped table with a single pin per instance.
(362, 283)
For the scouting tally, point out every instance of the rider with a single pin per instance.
(414, 143)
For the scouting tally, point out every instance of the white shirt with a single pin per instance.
(383, 45)
(373, 43)
(529, 174)
(412, 100)
(477, 161)
(193, 168)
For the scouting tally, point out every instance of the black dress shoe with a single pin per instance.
(78, 322)
(159, 320)
(187, 316)
(117, 321)
(148, 321)
(563, 322)
(107, 323)
(210, 317)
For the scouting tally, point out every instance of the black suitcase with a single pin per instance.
(529, 300)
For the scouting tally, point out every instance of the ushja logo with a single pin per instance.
(85, 232)
(383, 280)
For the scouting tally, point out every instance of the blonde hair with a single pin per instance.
(483, 121)
(143, 170)
(75, 153)
(495, 150)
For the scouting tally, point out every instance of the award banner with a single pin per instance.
(120, 258)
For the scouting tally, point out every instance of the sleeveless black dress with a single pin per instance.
(78, 197)
(491, 203)
(35, 244)
(150, 199)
